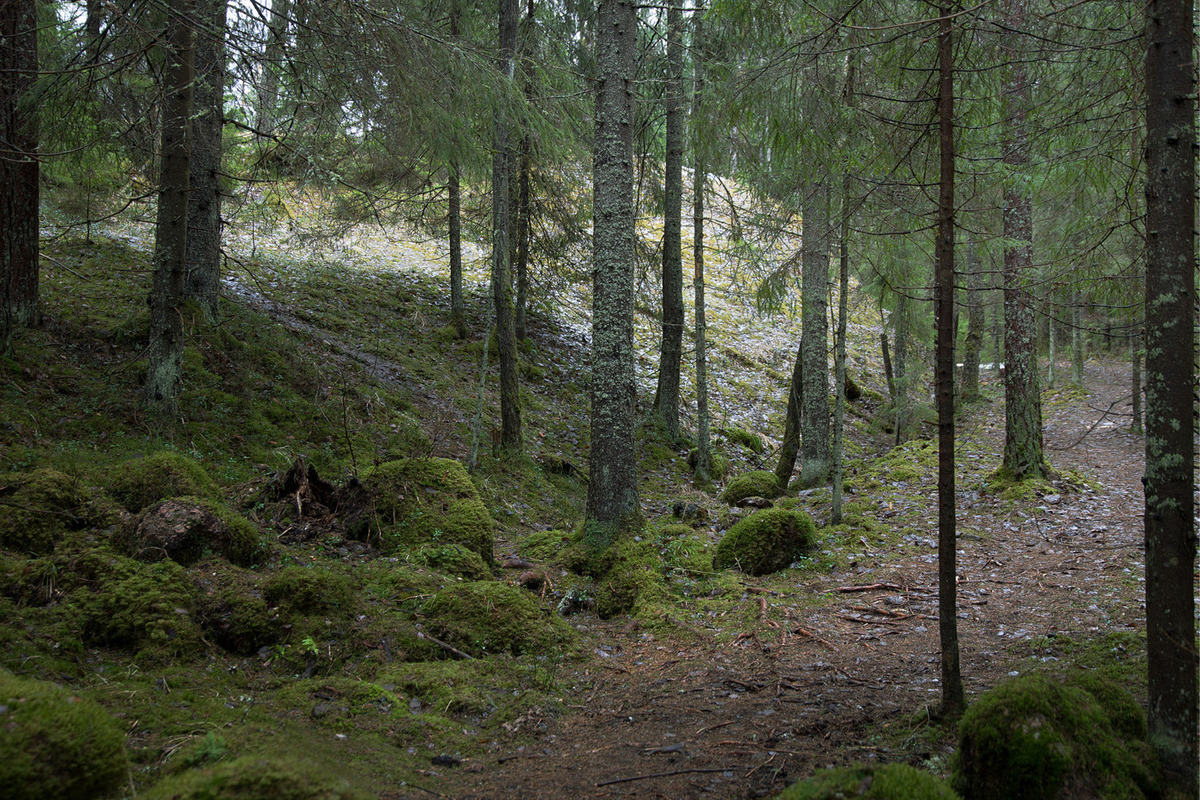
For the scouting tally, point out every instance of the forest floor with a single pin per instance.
(845, 668)
(733, 688)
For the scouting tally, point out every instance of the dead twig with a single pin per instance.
(891, 587)
(448, 648)
(652, 775)
(811, 635)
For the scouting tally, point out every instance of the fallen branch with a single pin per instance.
(702, 634)
(891, 587)
(652, 775)
(448, 648)
(811, 635)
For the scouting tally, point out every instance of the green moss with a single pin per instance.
(1032, 737)
(131, 604)
(751, 441)
(256, 778)
(718, 464)
(420, 501)
(766, 541)
(454, 559)
(757, 483)
(38, 508)
(55, 744)
(870, 782)
(629, 578)
(485, 617)
(309, 589)
(546, 547)
(908, 462)
(139, 482)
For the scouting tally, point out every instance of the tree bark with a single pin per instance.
(203, 281)
(1169, 481)
(613, 508)
(19, 171)
(789, 446)
(969, 380)
(814, 341)
(165, 351)
(458, 314)
(953, 701)
(666, 398)
(1023, 453)
(506, 339)
(278, 20)
(699, 181)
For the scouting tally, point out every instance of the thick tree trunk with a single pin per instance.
(613, 508)
(1023, 455)
(969, 380)
(953, 701)
(839, 358)
(1174, 666)
(506, 339)
(19, 172)
(666, 398)
(699, 180)
(814, 342)
(203, 282)
(165, 351)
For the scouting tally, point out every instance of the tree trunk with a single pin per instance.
(900, 364)
(458, 314)
(699, 179)
(969, 381)
(1169, 481)
(278, 20)
(953, 701)
(839, 357)
(1078, 340)
(789, 446)
(1023, 456)
(506, 339)
(524, 196)
(666, 398)
(19, 171)
(613, 508)
(203, 282)
(814, 341)
(165, 351)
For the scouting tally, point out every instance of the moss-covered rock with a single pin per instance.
(256, 778)
(309, 589)
(236, 617)
(747, 439)
(766, 541)
(629, 578)
(187, 529)
(126, 603)
(421, 501)
(485, 617)
(38, 508)
(718, 464)
(1034, 738)
(55, 744)
(546, 547)
(453, 559)
(140, 482)
(757, 483)
(870, 782)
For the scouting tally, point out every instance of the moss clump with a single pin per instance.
(453, 559)
(718, 465)
(629, 578)
(309, 589)
(187, 529)
(871, 782)
(485, 617)
(1034, 738)
(240, 621)
(546, 547)
(37, 508)
(420, 501)
(751, 441)
(127, 603)
(55, 744)
(766, 541)
(757, 483)
(256, 778)
(140, 482)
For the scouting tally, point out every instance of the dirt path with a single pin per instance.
(822, 677)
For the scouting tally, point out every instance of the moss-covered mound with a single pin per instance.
(309, 589)
(55, 744)
(140, 482)
(1034, 738)
(256, 778)
(718, 464)
(628, 578)
(485, 617)
(453, 559)
(757, 483)
(187, 529)
(418, 501)
(870, 782)
(546, 547)
(37, 508)
(766, 541)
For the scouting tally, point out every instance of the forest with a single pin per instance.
(564, 399)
